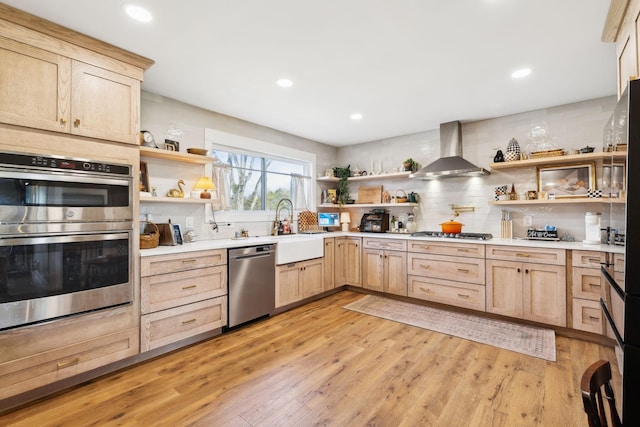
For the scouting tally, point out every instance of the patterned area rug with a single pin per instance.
(509, 336)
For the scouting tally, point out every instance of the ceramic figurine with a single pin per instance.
(513, 151)
(499, 157)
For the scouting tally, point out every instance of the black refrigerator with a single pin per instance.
(620, 268)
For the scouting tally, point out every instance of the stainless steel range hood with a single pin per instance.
(450, 164)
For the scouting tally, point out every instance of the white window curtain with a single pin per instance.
(222, 179)
(299, 193)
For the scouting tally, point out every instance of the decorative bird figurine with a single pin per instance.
(177, 192)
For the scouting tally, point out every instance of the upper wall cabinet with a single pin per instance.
(58, 86)
(622, 26)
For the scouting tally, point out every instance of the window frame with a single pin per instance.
(215, 139)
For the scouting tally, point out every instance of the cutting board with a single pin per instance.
(370, 194)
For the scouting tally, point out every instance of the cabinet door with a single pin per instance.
(504, 288)
(105, 104)
(544, 294)
(311, 277)
(35, 87)
(287, 284)
(395, 272)
(329, 269)
(372, 269)
(352, 272)
(340, 261)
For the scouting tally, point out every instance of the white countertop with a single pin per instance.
(251, 241)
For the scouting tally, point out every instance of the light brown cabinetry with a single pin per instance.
(621, 27)
(586, 290)
(384, 265)
(329, 263)
(448, 273)
(347, 261)
(299, 280)
(182, 295)
(55, 85)
(39, 355)
(527, 283)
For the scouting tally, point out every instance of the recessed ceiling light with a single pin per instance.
(138, 13)
(523, 72)
(356, 116)
(284, 83)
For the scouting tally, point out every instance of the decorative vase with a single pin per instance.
(513, 151)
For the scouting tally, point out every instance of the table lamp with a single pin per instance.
(204, 183)
(345, 219)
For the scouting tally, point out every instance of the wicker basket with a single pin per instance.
(151, 237)
(546, 153)
(401, 196)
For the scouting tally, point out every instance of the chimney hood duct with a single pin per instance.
(450, 164)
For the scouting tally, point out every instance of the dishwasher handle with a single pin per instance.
(257, 255)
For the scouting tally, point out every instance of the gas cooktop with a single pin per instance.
(472, 236)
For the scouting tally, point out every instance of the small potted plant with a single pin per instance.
(343, 189)
(409, 164)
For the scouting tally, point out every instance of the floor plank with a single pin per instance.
(323, 365)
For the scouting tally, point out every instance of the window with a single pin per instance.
(261, 174)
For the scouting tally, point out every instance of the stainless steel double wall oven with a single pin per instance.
(65, 237)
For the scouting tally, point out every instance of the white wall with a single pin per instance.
(160, 114)
(572, 126)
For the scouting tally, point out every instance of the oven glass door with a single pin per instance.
(58, 190)
(46, 277)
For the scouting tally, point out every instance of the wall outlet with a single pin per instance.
(188, 222)
(149, 217)
(528, 220)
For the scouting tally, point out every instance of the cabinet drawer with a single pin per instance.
(19, 375)
(393, 244)
(447, 248)
(520, 253)
(618, 263)
(587, 315)
(586, 283)
(168, 326)
(164, 291)
(587, 259)
(171, 263)
(470, 270)
(448, 292)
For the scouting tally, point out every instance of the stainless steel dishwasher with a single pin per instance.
(252, 283)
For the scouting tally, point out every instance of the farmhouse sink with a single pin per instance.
(298, 247)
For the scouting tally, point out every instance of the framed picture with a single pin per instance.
(171, 145)
(613, 178)
(568, 180)
(144, 178)
(177, 234)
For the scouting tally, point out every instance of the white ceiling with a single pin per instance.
(406, 65)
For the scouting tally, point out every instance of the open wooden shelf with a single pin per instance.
(557, 160)
(367, 177)
(176, 200)
(175, 156)
(367, 205)
(568, 200)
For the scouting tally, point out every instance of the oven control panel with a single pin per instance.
(63, 164)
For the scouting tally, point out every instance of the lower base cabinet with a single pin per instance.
(182, 295)
(384, 265)
(299, 280)
(458, 294)
(36, 356)
(347, 261)
(172, 325)
(529, 291)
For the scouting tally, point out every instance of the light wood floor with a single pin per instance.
(322, 365)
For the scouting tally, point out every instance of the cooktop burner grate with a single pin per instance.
(471, 236)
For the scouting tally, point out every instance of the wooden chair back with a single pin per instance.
(595, 380)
